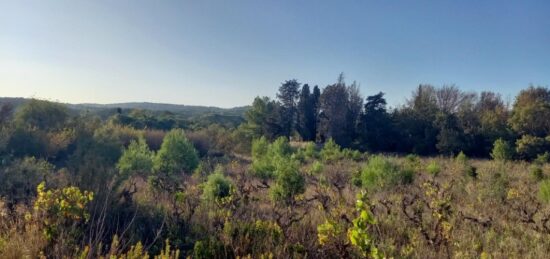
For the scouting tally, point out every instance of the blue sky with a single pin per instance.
(224, 53)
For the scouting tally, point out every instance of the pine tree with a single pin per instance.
(287, 96)
(306, 115)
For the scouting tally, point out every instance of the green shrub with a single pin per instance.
(464, 165)
(20, 178)
(137, 158)
(381, 172)
(217, 186)
(209, 248)
(266, 156)
(470, 171)
(354, 155)
(412, 163)
(331, 151)
(176, 154)
(358, 234)
(40, 114)
(497, 185)
(254, 238)
(502, 151)
(289, 182)
(310, 151)
(536, 172)
(461, 158)
(58, 210)
(528, 147)
(433, 168)
(316, 168)
(544, 191)
(543, 158)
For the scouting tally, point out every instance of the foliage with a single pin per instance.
(287, 97)
(57, 208)
(307, 114)
(542, 158)
(502, 151)
(331, 151)
(217, 187)
(316, 168)
(376, 125)
(263, 119)
(301, 192)
(176, 154)
(531, 112)
(137, 158)
(464, 165)
(544, 191)
(528, 147)
(208, 248)
(19, 180)
(461, 158)
(289, 181)
(433, 168)
(266, 156)
(42, 115)
(381, 172)
(358, 234)
(536, 172)
(327, 232)
(252, 238)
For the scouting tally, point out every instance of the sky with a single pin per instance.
(224, 53)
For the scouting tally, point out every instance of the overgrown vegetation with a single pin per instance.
(314, 173)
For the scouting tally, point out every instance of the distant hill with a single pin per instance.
(183, 110)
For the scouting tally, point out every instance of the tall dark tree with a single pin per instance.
(450, 139)
(316, 102)
(334, 114)
(355, 106)
(288, 96)
(417, 133)
(306, 115)
(376, 126)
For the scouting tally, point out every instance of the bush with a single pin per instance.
(412, 163)
(19, 180)
(381, 172)
(305, 153)
(528, 147)
(310, 151)
(176, 154)
(433, 168)
(252, 238)
(536, 172)
(137, 158)
(542, 158)
(316, 168)
(352, 154)
(61, 208)
(331, 151)
(289, 182)
(461, 158)
(42, 115)
(209, 248)
(502, 151)
(217, 187)
(265, 156)
(464, 165)
(544, 191)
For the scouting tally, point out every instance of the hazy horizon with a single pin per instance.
(217, 53)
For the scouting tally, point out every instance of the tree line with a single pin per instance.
(434, 120)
